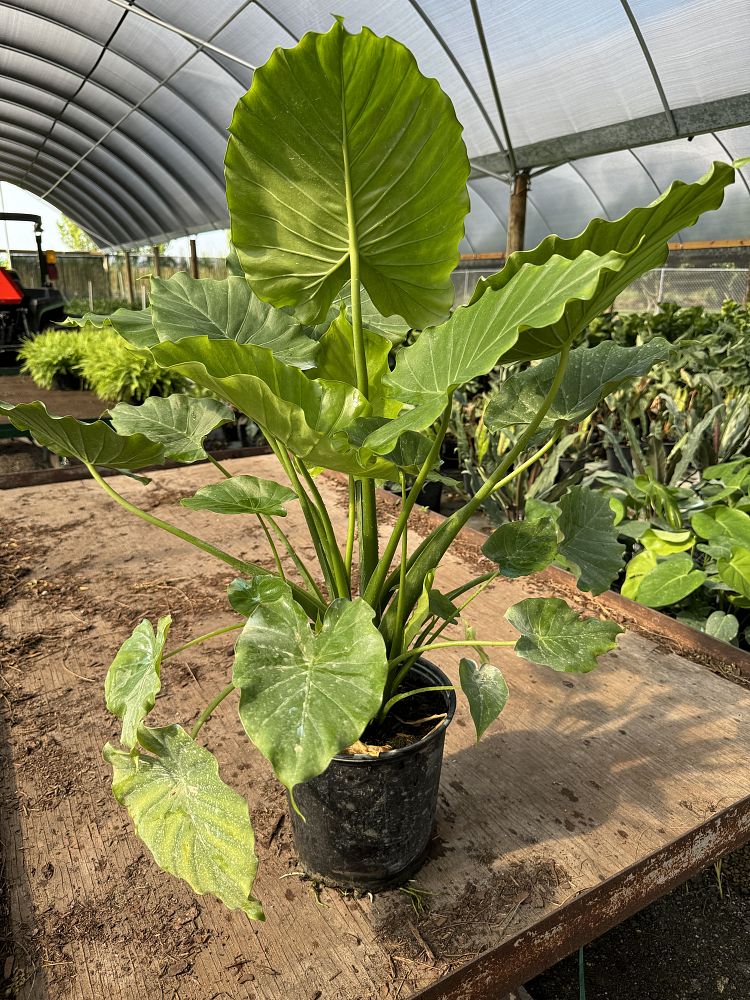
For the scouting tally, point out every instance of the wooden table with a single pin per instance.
(591, 796)
(62, 402)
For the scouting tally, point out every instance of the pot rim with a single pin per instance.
(362, 759)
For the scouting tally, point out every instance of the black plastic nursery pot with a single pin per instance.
(369, 820)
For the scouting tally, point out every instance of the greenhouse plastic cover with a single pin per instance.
(116, 112)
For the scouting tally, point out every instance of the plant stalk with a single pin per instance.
(204, 638)
(210, 709)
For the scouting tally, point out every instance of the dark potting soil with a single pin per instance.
(407, 722)
(693, 944)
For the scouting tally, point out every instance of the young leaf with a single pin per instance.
(335, 361)
(638, 567)
(639, 239)
(722, 626)
(183, 306)
(421, 612)
(306, 696)
(555, 636)
(666, 543)
(485, 690)
(393, 328)
(592, 374)
(590, 542)
(522, 547)
(133, 680)
(735, 571)
(242, 495)
(94, 444)
(442, 606)
(196, 827)
(133, 325)
(362, 155)
(246, 596)
(178, 422)
(670, 581)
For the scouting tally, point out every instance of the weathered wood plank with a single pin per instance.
(581, 779)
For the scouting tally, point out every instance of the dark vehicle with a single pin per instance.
(25, 311)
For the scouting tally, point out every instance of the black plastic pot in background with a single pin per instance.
(369, 820)
(430, 496)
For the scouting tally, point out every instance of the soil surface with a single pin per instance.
(524, 826)
(693, 944)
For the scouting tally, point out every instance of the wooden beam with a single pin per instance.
(193, 260)
(690, 245)
(129, 276)
(157, 260)
(517, 212)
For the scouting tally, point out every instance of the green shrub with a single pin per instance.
(103, 307)
(52, 355)
(116, 371)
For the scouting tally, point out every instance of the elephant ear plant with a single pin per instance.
(347, 189)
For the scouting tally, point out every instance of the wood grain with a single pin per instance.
(582, 776)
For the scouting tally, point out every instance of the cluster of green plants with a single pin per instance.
(347, 191)
(689, 547)
(95, 358)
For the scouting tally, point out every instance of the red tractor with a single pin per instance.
(25, 311)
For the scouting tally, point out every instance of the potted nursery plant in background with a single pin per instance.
(346, 183)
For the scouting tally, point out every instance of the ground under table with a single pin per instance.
(589, 797)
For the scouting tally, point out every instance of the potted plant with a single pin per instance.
(346, 184)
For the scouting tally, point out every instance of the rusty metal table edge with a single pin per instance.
(595, 910)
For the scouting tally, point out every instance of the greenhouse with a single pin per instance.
(375, 470)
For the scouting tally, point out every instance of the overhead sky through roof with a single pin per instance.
(116, 112)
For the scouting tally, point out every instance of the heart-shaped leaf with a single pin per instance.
(242, 495)
(183, 306)
(178, 422)
(522, 547)
(722, 524)
(735, 571)
(133, 680)
(196, 827)
(670, 581)
(638, 567)
(304, 695)
(592, 374)
(93, 444)
(364, 157)
(590, 542)
(639, 239)
(556, 636)
(485, 690)
(309, 416)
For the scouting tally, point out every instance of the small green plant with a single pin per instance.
(53, 357)
(115, 370)
(346, 184)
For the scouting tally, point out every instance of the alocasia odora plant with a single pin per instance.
(346, 183)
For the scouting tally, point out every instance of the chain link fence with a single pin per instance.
(99, 278)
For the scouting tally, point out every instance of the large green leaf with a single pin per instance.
(556, 636)
(341, 146)
(471, 341)
(133, 679)
(670, 581)
(592, 374)
(638, 567)
(195, 826)
(242, 495)
(304, 695)
(94, 444)
(133, 325)
(522, 547)
(485, 690)
(183, 306)
(246, 596)
(409, 452)
(590, 542)
(309, 416)
(393, 328)
(735, 571)
(722, 523)
(639, 239)
(178, 422)
(335, 362)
